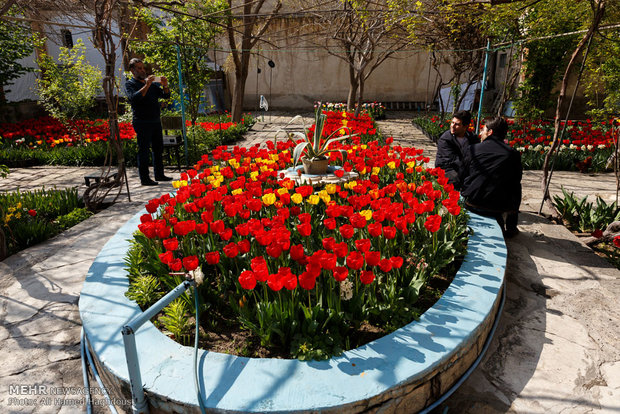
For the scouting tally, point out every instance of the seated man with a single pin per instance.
(493, 186)
(453, 146)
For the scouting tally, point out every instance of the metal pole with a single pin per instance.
(182, 100)
(484, 81)
(139, 404)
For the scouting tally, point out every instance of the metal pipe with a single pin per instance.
(139, 404)
(182, 101)
(484, 81)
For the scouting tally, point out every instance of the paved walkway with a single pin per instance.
(556, 349)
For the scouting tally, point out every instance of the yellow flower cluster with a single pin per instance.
(13, 212)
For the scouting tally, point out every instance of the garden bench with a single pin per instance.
(172, 127)
(97, 176)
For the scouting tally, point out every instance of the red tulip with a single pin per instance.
(190, 263)
(171, 244)
(363, 245)
(247, 280)
(340, 273)
(433, 223)
(347, 230)
(304, 229)
(231, 250)
(367, 276)
(372, 258)
(385, 265)
(212, 258)
(355, 260)
(397, 262)
(244, 246)
(375, 229)
(307, 281)
(166, 257)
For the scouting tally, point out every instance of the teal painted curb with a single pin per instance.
(239, 384)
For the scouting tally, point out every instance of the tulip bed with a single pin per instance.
(302, 268)
(46, 140)
(376, 110)
(28, 218)
(586, 146)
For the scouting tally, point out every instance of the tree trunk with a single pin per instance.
(596, 21)
(95, 194)
(353, 85)
(3, 248)
(241, 76)
(360, 96)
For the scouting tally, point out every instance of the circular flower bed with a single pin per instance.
(301, 267)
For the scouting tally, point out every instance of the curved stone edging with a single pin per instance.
(407, 369)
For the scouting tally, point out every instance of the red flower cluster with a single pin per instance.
(49, 132)
(586, 133)
(238, 211)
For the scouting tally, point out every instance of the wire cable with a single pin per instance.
(476, 362)
(89, 405)
(104, 391)
(196, 381)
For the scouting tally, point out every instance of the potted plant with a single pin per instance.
(314, 149)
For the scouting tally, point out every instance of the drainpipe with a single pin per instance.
(182, 101)
(139, 403)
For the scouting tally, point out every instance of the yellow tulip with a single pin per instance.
(367, 214)
(331, 188)
(314, 199)
(269, 199)
(324, 196)
(297, 198)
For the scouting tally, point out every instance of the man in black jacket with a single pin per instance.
(144, 94)
(453, 149)
(493, 186)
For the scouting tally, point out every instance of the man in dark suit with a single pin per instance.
(493, 186)
(453, 149)
(144, 94)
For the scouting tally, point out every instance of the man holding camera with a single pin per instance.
(144, 93)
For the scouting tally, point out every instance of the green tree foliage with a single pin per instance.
(67, 88)
(545, 60)
(16, 42)
(602, 80)
(454, 34)
(195, 35)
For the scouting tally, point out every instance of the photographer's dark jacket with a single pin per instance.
(494, 180)
(454, 158)
(145, 108)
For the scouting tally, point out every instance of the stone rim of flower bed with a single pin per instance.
(445, 341)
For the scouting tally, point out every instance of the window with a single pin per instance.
(502, 60)
(67, 38)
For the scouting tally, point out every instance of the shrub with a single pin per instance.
(76, 216)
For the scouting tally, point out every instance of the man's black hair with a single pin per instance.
(498, 125)
(463, 116)
(133, 62)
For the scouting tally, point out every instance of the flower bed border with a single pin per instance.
(406, 370)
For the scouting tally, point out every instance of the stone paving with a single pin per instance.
(556, 348)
